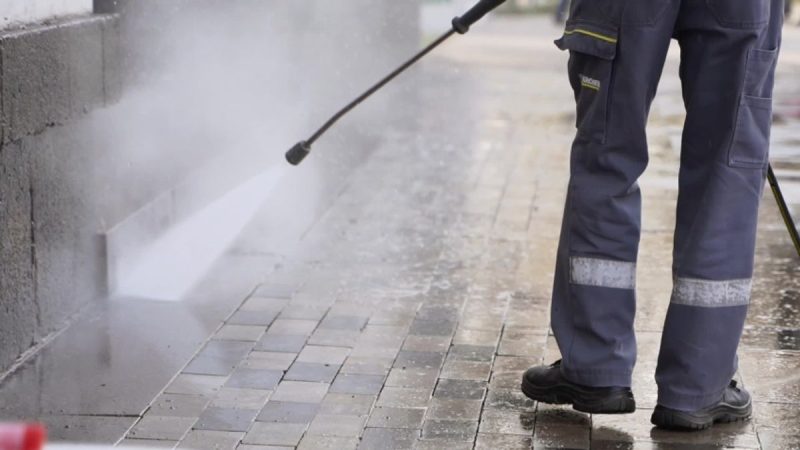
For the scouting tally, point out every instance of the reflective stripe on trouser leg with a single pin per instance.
(698, 353)
(602, 273)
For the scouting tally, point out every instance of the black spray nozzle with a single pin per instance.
(298, 153)
(462, 24)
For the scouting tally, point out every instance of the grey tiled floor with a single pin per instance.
(408, 313)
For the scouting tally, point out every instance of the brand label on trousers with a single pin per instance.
(589, 82)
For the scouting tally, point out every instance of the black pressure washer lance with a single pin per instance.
(461, 25)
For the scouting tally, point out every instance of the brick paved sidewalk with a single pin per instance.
(408, 313)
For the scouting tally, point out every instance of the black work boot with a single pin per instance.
(734, 406)
(546, 384)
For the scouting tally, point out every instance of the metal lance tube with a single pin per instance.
(784, 208)
(460, 25)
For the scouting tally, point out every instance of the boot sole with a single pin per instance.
(671, 419)
(583, 401)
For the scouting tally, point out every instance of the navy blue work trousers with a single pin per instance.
(617, 49)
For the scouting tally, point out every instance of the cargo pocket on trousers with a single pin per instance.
(593, 49)
(750, 145)
(750, 142)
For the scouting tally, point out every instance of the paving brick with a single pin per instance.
(336, 425)
(455, 430)
(320, 373)
(323, 355)
(568, 436)
(357, 384)
(419, 360)
(288, 412)
(508, 399)
(305, 312)
(226, 419)
(334, 338)
(178, 405)
(313, 442)
(292, 327)
(416, 378)
(505, 441)
(466, 370)
(254, 379)
(440, 444)
(226, 349)
(387, 438)
(300, 391)
(479, 353)
(211, 440)
(507, 422)
(268, 433)
(454, 409)
(404, 397)
(353, 323)
(505, 380)
(147, 443)
(276, 291)
(263, 447)
(281, 343)
(162, 428)
(432, 328)
(460, 389)
(211, 365)
(367, 366)
(426, 343)
(523, 343)
(465, 336)
(263, 318)
(347, 404)
(206, 385)
(264, 304)
(240, 332)
(386, 417)
(269, 360)
(239, 398)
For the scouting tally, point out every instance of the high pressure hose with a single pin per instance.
(460, 25)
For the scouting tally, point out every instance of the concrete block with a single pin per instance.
(18, 311)
(70, 263)
(35, 82)
(51, 73)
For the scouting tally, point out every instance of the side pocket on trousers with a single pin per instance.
(592, 49)
(750, 141)
(750, 145)
(760, 74)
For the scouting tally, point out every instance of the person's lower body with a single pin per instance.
(728, 59)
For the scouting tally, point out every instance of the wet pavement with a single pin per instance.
(403, 315)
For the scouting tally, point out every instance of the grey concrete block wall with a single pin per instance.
(51, 76)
